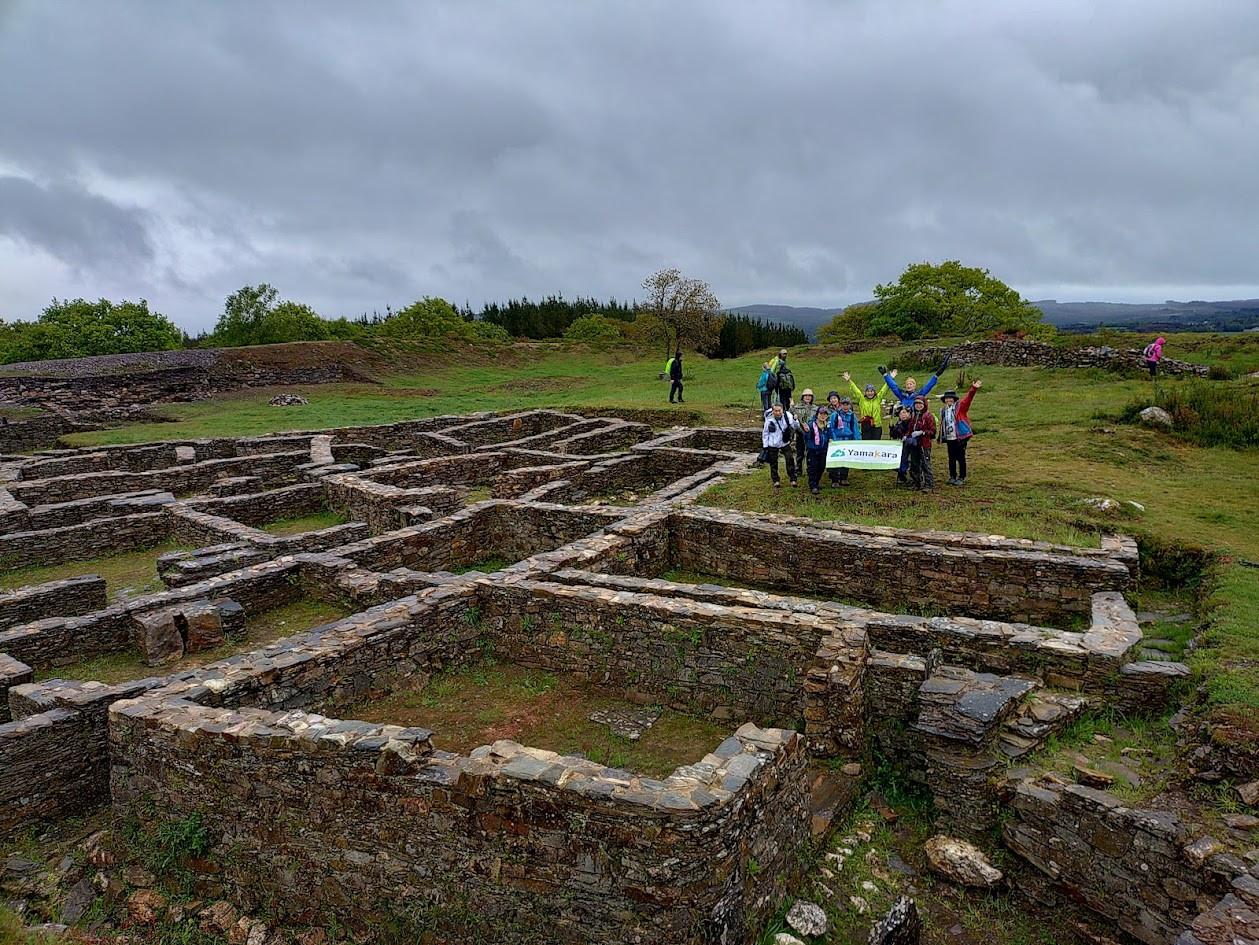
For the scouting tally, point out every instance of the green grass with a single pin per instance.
(265, 628)
(305, 523)
(477, 705)
(132, 572)
(485, 565)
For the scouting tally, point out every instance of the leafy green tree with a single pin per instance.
(78, 328)
(680, 312)
(849, 325)
(951, 299)
(594, 330)
(243, 316)
(428, 318)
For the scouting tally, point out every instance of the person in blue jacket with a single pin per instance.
(817, 433)
(843, 426)
(763, 388)
(906, 397)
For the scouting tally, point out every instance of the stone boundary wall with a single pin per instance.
(727, 662)
(69, 598)
(193, 477)
(84, 542)
(990, 582)
(80, 511)
(12, 673)
(262, 508)
(1016, 353)
(54, 755)
(109, 394)
(1141, 869)
(59, 641)
(36, 433)
(538, 843)
(495, 528)
(657, 419)
(607, 438)
(1089, 661)
(644, 472)
(725, 439)
(513, 426)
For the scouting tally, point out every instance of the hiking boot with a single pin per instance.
(815, 492)
(927, 490)
(953, 482)
(777, 484)
(961, 482)
(845, 483)
(794, 483)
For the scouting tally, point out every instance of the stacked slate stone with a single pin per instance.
(960, 720)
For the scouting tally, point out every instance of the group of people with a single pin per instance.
(801, 431)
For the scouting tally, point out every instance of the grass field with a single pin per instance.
(1045, 440)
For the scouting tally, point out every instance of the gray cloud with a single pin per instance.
(66, 221)
(798, 152)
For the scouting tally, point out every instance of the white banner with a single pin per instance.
(864, 454)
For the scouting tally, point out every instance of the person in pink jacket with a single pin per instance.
(1153, 354)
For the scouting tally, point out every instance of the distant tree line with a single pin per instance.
(741, 333)
(550, 317)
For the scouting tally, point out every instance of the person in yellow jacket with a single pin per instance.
(869, 404)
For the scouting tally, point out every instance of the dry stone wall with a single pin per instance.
(347, 818)
(1039, 354)
(1141, 869)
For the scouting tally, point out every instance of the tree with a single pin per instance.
(849, 325)
(244, 312)
(79, 328)
(680, 312)
(951, 299)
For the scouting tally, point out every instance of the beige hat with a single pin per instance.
(808, 392)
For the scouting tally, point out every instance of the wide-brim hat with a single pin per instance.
(833, 393)
(949, 393)
(807, 392)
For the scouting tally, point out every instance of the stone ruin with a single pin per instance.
(318, 815)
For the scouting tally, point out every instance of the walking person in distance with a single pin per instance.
(675, 377)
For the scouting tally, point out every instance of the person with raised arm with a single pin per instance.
(955, 430)
(906, 397)
(869, 407)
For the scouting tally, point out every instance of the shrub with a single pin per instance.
(1206, 414)
(1220, 372)
(593, 330)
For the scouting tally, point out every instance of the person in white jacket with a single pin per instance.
(777, 436)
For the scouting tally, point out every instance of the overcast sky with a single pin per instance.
(359, 154)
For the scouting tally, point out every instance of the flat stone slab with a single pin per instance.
(629, 724)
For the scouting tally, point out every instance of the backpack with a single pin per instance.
(1149, 350)
(771, 382)
(786, 380)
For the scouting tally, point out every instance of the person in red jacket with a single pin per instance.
(955, 430)
(918, 439)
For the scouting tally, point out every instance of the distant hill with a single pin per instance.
(1234, 315)
(810, 319)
